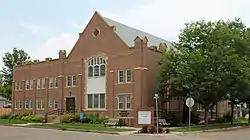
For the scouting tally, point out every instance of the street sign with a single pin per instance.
(156, 96)
(190, 102)
(81, 116)
(42, 114)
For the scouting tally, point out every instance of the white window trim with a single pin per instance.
(37, 102)
(25, 103)
(38, 83)
(50, 103)
(15, 104)
(119, 76)
(127, 76)
(20, 103)
(27, 85)
(72, 83)
(20, 85)
(30, 104)
(51, 82)
(126, 101)
(55, 104)
(43, 84)
(41, 102)
(56, 81)
(68, 81)
(122, 101)
(99, 103)
(31, 84)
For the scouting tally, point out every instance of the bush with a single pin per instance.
(195, 119)
(244, 112)
(5, 116)
(65, 118)
(32, 118)
(144, 129)
(227, 117)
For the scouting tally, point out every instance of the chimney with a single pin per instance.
(62, 54)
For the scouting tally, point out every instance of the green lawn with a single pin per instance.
(84, 127)
(12, 121)
(208, 127)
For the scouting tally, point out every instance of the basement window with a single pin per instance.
(96, 32)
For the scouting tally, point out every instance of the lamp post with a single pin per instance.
(156, 97)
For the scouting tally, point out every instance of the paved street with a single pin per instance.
(12, 133)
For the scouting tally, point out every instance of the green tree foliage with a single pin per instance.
(208, 62)
(10, 60)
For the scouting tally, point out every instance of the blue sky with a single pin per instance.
(43, 27)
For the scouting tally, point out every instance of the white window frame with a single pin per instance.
(120, 100)
(31, 84)
(50, 103)
(27, 86)
(16, 86)
(51, 82)
(38, 83)
(55, 104)
(20, 85)
(73, 81)
(20, 106)
(42, 104)
(56, 82)
(99, 101)
(37, 104)
(126, 102)
(127, 76)
(30, 104)
(119, 78)
(95, 63)
(68, 81)
(26, 102)
(43, 83)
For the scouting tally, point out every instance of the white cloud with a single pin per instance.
(53, 45)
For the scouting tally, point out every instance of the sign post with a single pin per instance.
(190, 104)
(156, 97)
(81, 116)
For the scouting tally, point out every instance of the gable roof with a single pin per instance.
(128, 34)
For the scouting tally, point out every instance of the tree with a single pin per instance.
(10, 60)
(209, 65)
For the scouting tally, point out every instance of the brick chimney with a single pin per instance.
(62, 54)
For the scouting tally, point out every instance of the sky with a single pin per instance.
(43, 27)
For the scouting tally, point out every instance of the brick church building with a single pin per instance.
(111, 68)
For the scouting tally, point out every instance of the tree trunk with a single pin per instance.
(206, 115)
(232, 112)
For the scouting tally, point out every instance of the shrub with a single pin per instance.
(152, 129)
(244, 112)
(32, 118)
(227, 117)
(144, 129)
(5, 116)
(195, 119)
(65, 118)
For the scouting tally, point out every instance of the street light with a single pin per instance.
(156, 97)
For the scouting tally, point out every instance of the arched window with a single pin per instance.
(90, 71)
(102, 70)
(96, 71)
(96, 67)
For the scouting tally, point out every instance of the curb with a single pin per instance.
(210, 130)
(67, 129)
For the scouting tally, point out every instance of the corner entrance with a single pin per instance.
(70, 104)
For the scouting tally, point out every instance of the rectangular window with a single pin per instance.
(96, 101)
(50, 103)
(43, 83)
(50, 82)
(31, 84)
(120, 76)
(128, 76)
(20, 104)
(120, 102)
(56, 82)
(55, 104)
(20, 85)
(42, 104)
(128, 102)
(26, 104)
(16, 85)
(30, 104)
(68, 81)
(38, 105)
(38, 83)
(27, 84)
(74, 82)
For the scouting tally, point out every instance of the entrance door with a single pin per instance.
(70, 104)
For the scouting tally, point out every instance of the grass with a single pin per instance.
(12, 121)
(208, 127)
(84, 127)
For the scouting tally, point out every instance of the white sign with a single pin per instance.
(190, 102)
(144, 117)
